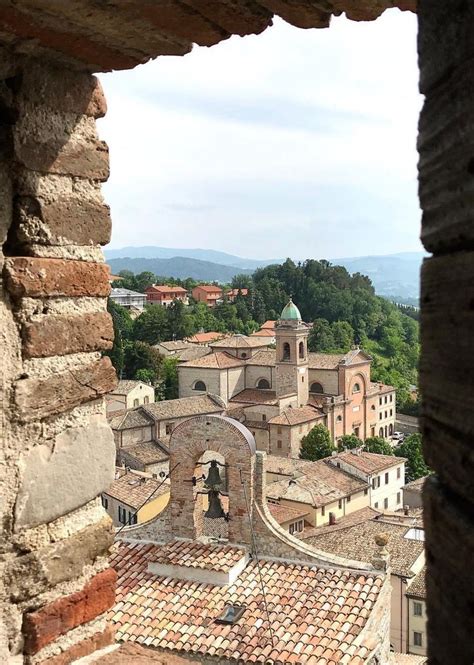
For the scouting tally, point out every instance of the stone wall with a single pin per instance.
(53, 325)
(446, 168)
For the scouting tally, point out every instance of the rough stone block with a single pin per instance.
(83, 648)
(80, 159)
(63, 90)
(61, 335)
(63, 222)
(50, 487)
(38, 277)
(31, 574)
(37, 398)
(301, 14)
(57, 618)
(447, 321)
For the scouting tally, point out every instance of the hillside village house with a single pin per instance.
(232, 294)
(413, 493)
(134, 497)
(205, 338)
(417, 616)
(207, 293)
(173, 581)
(282, 393)
(164, 295)
(127, 395)
(131, 300)
(354, 536)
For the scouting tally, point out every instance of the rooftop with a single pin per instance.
(302, 414)
(125, 292)
(237, 342)
(164, 288)
(176, 345)
(367, 462)
(357, 541)
(216, 360)
(254, 396)
(185, 406)
(357, 517)
(263, 358)
(290, 312)
(192, 353)
(417, 588)
(263, 332)
(315, 613)
(204, 337)
(147, 452)
(416, 485)
(126, 386)
(132, 418)
(268, 324)
(134, 489)
(210, 288)
(284, 514)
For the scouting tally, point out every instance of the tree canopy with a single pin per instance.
(412, 449)
(316, 444)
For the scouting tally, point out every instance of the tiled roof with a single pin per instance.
(302, 414)
(237, 342)
(264, 358)
(203, 338)
(209, 288)
(184, 407)
(357, 517)
(405, 659)
(367, 462)
(193, 353)
(315, 483)
(235, 292)
(417, 588)
(164, 288)
(382, 388)
(126, 386)
(255, 424)
(357, 542)
(176, 345)
(133, 489)
(316, 614)
(416, 485)
(264, 332)
(324, 360)
(253, 396)
(132, 418)
(193, 554)
(147, 452)
(268, 324)
(284, 514)
(216, 360)
(134, 654)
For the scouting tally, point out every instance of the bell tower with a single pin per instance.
(292, 355)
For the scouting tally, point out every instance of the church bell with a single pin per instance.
(213, 477)
(215, 509)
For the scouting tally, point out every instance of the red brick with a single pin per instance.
(39, 398)
(84, 648)
(67, 220)
(59, 617)
(37, 277)
(60, 335)
(81, 159)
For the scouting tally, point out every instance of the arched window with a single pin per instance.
(263, 384)
(199, 385)
(381, 432)
(301, 349)
(373, 407)
(356, 388)
(386, 431)
(316, 388)
(390, 430)
(146, 400)
(339, 419)
(286, 351)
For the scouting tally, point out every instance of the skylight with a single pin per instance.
(415, 534)
(230, 614)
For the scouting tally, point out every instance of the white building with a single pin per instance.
(128, 395)
(128, 299)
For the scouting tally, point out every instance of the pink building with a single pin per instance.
(164, 295)
(207, 293)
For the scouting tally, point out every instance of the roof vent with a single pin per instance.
(231, 614)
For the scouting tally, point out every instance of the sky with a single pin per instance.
(294, 142)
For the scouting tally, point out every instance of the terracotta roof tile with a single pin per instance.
(238, 342)
(216, 360)
(416, 485)
(283, 514)
(264, 358)
(184, 407)
(133, 490)
(147, 452)
(302, 414)
(164, 288)
(180, 615)
(205, 337)
(125, 386)
(254, 396)
(367, 462)
(417, 588)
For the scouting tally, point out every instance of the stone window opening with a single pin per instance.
(356, 388)
(200, 385)
(286, 351)
(301, 352)
(417, 609)
(263, 384)
(417, 639)
(316, 387)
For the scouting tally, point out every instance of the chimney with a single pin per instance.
(332, 519)
(381, 559)
(406, 510)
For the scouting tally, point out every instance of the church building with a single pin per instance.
(280, 394)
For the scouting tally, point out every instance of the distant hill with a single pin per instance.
(180, 267)
(395, 276)
(209, 255)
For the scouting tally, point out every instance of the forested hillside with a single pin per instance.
(343, 308)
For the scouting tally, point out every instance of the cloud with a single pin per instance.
(291, 142)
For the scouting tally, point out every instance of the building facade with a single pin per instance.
(128, 299)
(208, 294)
(128, 395)
(165, 295)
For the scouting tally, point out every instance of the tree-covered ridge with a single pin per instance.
(343, 309)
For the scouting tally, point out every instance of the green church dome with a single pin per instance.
(290, 312)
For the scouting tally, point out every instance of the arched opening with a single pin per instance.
(386, 431)
(301, 352)
(381, 432)
(263, 384)
(316, 388)
(390, 430)
(286, 351)
(356, 388)
(339, 419)
(200, 385)
(209, 499)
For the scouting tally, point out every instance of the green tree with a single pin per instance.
(316, 444)
(377, 444)
(122, 324)
(321, 338)
(343, 334)
(179, 322)
(169, 377)
(412, 449)
(144, 279)
(349, 442)
(151, 326)
(141, 356)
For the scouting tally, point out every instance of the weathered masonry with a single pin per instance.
(57, 451)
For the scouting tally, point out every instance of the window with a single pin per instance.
(323, 510)
(391, 398)
(417, 639)
(132, 518)
(301, 350)
(386, 478)
(391, 412)
(356, 388)
(380, 418)
(390, 427)
(348, 499)
(146, 400)
(385, 504)
(340, 504)
(385, 413)
(286, 351)
(105, 501)
(302, 379)
(376, 504)
(316, 388)
(199, 385)
(264, 417)
(263, 384)
(169, 428)
(136, 402)
(122, 515)
(380, 401)
(366, 491)
(339, 419)
(373, 407)
(279, 443)
(279, 430)
(398, 497)
(399, 472)
(417, 609)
